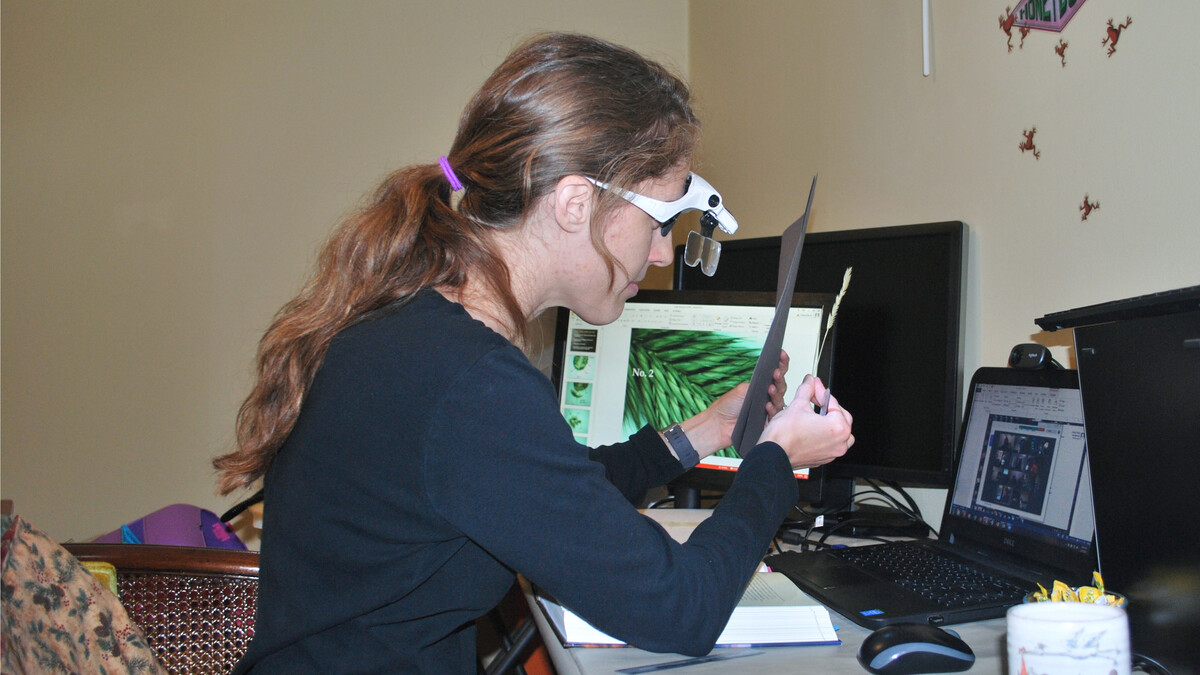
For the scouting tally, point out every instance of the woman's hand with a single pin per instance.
(778, 386)
(808, 437)
(712, 429)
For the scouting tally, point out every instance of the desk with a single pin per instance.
(986, 639)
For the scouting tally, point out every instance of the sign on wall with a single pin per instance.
(1051, 15)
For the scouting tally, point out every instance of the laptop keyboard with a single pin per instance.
(940, 578)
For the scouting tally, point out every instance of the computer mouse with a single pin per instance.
(910, 648)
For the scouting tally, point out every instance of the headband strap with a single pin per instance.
(455, 184)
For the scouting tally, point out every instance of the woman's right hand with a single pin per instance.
(809, 438)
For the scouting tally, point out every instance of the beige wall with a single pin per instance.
(835, 87)
(170, 167)
(168, 170)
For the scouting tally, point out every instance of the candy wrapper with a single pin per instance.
(1091, 594)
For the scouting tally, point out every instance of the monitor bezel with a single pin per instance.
(847, 470)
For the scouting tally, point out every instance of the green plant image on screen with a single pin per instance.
(675, 374)
(578, 419)
(582, 367)
(578, 393)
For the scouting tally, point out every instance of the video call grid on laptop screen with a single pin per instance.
(1024, 467)
(663, 361)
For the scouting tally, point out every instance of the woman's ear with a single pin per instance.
(572, 203)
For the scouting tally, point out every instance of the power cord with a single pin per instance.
(660, 503)
(891, 518)
(1149, 666)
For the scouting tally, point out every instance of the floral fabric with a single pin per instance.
(58, 618)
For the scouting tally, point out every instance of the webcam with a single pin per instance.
(1030, 356)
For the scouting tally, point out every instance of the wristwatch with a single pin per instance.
(682, 446)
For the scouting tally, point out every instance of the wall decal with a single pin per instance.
(1061, 50)
(1114, 34)
(1006, 24)
(1087, 207)
(1028, 144)
(1043, 15)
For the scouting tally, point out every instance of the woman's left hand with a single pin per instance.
(778, 386)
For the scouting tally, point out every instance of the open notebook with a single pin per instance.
(773, 611)
(1019, 513)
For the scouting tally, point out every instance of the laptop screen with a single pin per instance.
(1023, 480)
(669, 355)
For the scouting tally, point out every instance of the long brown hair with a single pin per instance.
(561, 104)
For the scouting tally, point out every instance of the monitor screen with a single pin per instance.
(897, 361)
(670, 355)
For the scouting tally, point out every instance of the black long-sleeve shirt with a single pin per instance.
(430, 464)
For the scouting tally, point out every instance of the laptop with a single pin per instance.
(1019, 514)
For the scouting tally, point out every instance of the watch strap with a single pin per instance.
(679, 442)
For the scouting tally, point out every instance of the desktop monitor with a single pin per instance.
(671, 354)
(897, 359)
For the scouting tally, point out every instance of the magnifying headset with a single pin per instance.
(701, 249)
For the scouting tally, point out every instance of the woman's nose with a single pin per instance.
(662, 249)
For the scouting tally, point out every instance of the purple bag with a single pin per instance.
(176, 525)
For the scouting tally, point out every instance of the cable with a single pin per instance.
(912, 511)
(809, 524)
(1149, 665)
(849, 521)
(241, 506)
(912, 503)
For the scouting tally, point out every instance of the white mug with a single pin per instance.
(1045, 638)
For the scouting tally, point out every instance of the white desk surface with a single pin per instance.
(986, 639)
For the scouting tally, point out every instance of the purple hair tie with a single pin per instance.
(455, 184)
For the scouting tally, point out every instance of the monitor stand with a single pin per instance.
(686, 497)
(686, 491)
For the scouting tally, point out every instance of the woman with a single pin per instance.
(414, 461)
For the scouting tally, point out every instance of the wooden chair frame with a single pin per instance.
(196, 605)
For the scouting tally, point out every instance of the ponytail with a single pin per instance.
(562, 104)
(407, 239)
